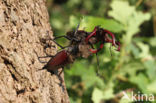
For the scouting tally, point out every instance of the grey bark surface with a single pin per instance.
(22, 24)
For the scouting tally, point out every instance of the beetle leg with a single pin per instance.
(119, 45)
(97, 59)
(60, 78)
(97, 50)
(98, 66)
(57, 44)
(42, 57)
(48, 56)
(58, 38)
(92, 34)
(113, 37)
(116, 44)
(63, 36)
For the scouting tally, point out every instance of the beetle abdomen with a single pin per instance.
(59, 60)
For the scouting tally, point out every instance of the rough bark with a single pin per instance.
(22, 24)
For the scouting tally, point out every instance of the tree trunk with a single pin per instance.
(23, 23)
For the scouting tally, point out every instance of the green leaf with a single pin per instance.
(129, 17)
(86, 73)
(151, 69)
(125, 101)
(121, 11)
(152, 41)
(151, 88)
(131, 68)
(144, 50)
(73, 21)
(135, 50)
(56, 23)
(89, 22)
(90, 78)
(97, 95)
(108, 93)
(141, 80)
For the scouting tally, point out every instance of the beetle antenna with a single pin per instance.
(76, 29)
(110, 50)
(58, 44)
(38, 57)
(62, 37)
(97, 70)
(98, 67)
(78, 26)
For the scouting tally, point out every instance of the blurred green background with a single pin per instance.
(132, 69)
